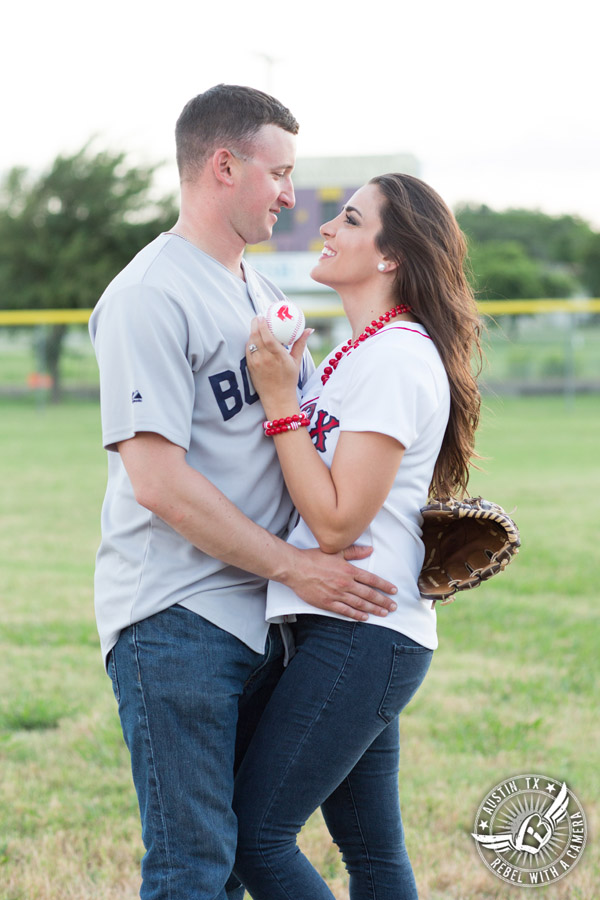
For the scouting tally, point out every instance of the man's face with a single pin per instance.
(264, 184)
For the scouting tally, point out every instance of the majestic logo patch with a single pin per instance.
(530, 830)
(136, 397)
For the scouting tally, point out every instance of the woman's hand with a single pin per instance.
(274, 370)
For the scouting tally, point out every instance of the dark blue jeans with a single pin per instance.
(183, 687)
(329, 737)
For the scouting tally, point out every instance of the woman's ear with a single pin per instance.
(387, 265)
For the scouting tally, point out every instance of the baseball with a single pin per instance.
(285, 321)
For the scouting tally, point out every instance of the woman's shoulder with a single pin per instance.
(403, 354)
(400, 342)
(405, 332)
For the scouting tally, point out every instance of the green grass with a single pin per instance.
(512, 688)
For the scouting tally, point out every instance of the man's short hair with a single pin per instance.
(227, 115)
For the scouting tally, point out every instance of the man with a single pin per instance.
(196, 510)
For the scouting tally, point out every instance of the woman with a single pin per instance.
(389, 418)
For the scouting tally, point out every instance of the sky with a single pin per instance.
(498, 101)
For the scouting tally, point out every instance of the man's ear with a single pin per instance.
(223, 164)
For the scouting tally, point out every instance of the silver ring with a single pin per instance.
(252, 348)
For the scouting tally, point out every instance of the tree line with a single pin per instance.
(522, 254)
(65, 233)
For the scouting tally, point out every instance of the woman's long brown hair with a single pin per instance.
(420, 233)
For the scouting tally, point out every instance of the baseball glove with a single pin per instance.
(466, 542)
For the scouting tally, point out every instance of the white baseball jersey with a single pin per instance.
(395, 384)
(169, 334)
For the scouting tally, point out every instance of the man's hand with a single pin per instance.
(164, 483)
(329, 582)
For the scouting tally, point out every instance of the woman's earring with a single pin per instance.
(381, 267)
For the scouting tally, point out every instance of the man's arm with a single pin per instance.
(165, 484)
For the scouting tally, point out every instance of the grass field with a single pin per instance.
(513, 688)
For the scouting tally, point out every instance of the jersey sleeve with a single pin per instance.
(140, 336)
(392, 390)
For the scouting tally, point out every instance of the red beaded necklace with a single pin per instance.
(375, 326)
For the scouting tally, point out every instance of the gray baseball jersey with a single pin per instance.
(169, 334)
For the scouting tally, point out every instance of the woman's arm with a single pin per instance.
(164, 483)
(337, 504)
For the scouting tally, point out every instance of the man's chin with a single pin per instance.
(260, 237)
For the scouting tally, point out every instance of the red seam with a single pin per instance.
(403, 328)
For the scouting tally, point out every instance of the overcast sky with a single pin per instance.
(499, 101)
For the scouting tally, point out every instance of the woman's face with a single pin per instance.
(350, 256)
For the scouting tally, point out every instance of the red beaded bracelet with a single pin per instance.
(290, 423)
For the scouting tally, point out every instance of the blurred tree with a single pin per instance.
(65, 233)
(551, 238)
(502, 270)
(556, 247)
(591, 265)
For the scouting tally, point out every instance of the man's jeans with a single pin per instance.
(181, 683)
(329, 737)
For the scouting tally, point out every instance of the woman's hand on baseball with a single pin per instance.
(274, 369)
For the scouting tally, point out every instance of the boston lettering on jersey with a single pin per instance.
(230, 400)
(227, 390)
(228, 394)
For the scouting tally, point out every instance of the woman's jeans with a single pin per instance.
(182, 684)
(329, 737)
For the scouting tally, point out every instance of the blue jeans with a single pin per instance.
(329, 737)
(181, 684)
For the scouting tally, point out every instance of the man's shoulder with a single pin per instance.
(140, 287)
(163, 268)
(146, 265)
